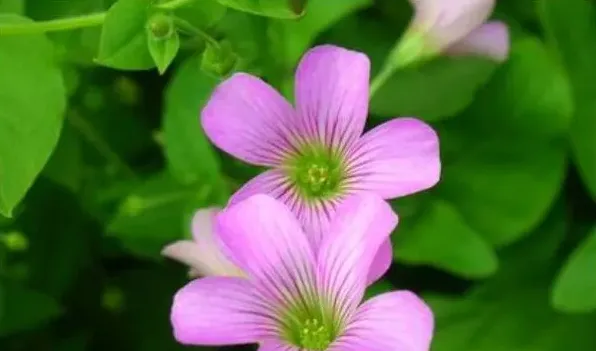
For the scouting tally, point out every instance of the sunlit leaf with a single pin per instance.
(30, 119)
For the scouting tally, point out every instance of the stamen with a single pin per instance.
(317, 173)
(315, 335)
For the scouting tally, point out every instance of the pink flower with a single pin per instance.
(296, 298)
(202, 253)
(458, 27)
(316, 151)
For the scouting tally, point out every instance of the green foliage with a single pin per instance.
(492, 192)
(163, 41)
(124, 40)
(574, 289)
(30, 119)
(101, 167)
(24, 308)
(574, 42)
(270, 8)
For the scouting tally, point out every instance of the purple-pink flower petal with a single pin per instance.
(490, 40)
(203, 255)
(332, 95)
(448, 21)
(265, 239)
(274, 344)
(362, 223)
(397, 158)
(395, 321)
(273, 182)
(250, 120)
(218, 311)
(381, 262)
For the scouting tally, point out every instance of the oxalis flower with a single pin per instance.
(457, 27)
(295, 298)
(202, 254)
(316, 151)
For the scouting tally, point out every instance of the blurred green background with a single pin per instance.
(103, 161)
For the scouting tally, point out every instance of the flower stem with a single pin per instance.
(82, 21)
(192, 30)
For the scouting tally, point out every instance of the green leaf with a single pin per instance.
(575, 43)
(12, 6)
(434, 90)
(190, 156)
(123, 43)
(157, 213)
(290, 39)
(441, 237)
(510, 311)
(574, 288)
(201, 14)
(23, 308)
(65, 166)
(163, 48)
(270, 8)
(504, 163)
(528, 104)
(76, 45)
(513, 318)
(144, 321)
(30, 119)
(62, 234)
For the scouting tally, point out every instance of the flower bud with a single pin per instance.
(453, 27)
(219, 60)
(161, 26)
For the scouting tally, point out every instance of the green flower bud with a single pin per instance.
(219, 60)
(161, 26)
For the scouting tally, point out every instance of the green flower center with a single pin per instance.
(317, 172)
(310, 329)
(315, 335)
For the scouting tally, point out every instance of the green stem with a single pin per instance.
(173, 4)
(69, 23)
(94, 19)
(189, 28)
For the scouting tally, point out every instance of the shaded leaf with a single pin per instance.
(574, 288)
(575, 43)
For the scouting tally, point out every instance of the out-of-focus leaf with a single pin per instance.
(78, 45)
(510, 311)
(575, 43)
(143, 322)
(12, 6)
(123, 43)
(30, 119)
(575, 286)
(24, 309)
(500, 176)
(270, 8)
(510, 162)
(60, 238)
(191, 158)
(433, 91)
(292, 38)
(157, 213)
(248, 36)
(65, 166)
(441, 237)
